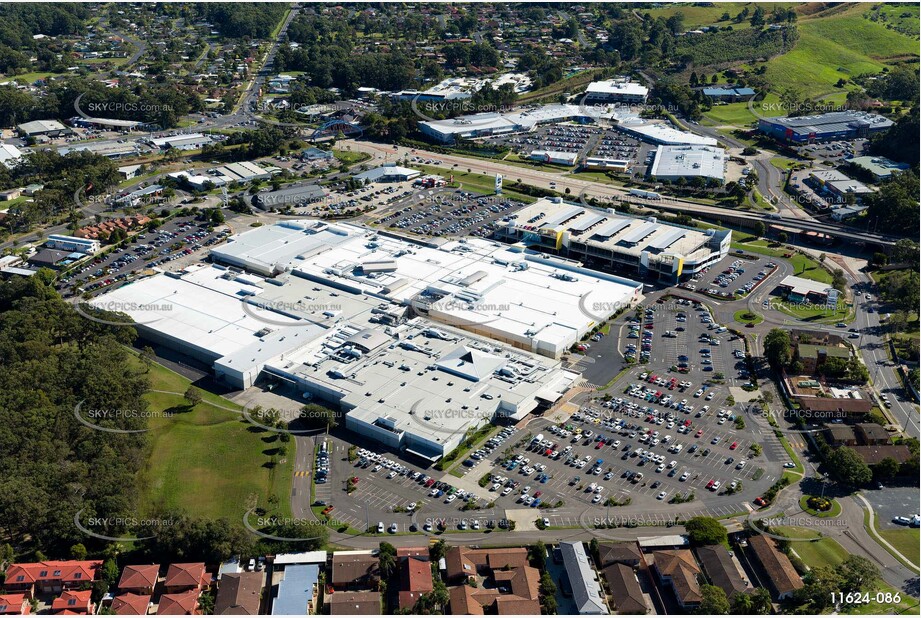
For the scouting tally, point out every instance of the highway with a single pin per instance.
(577, 187)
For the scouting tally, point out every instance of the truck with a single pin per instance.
(649, 195)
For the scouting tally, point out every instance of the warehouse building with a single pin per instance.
(824, 127)
(183, 141)
(615, 242)
(880, 167)
(241, 172)
(387, 173)
(674, 162)
(616, 91)
(10, 156)
(43, 128)
(837, 187)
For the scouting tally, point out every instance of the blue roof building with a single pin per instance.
(729, 94)
(297, 591)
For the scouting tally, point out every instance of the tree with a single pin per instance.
(78, 551)
(387, 560)
(759, 229)
(848, 467)
(757, 602)
(757, 19)
(858, 573)
(782, 237)
(193, 396)
(438, 550)
(838, 280)
(547, 593)
(706, 531)
(713, 601)
(777, 347)
(147, 355)
(538, 555)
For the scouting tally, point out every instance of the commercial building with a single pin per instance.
(369, 323)
(837, 187)
(729, 95)
(824, 127)
(494, 123)
(241, 172)
(10, 156)
(111, 149)
(387, 173)
(658, 133)
(672, 163)
(616, 91)
(43, 128)
(555, 157)
(800, 290)
(880, 167)
(183, 141)
(607, 241)
(296, 593)
(72, 243)
(293, 197)
(582, 580)
(606, 164)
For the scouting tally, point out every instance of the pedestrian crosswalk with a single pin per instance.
(301, 473)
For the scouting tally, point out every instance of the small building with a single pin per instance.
(826, 408)
(139, 579)
(73, 602)
(44, 128)
(678, 570)
(179, 604)
(351, 603)
(353, 570)
(10, 155)
(722, 570)
(185, 576)
(130, 604)
(387, 173)
(54, 259)
(729, 95)
(14, 604)
(239, 593)
(73, 243)
(415, 579)
(10, 194)
(871, 434)
(625, 590)
(582, 580)
(297, 592)
(606, 164)
(880, 168)
(837, 187)
(129, 171)
(847, 212)
(619, 553)
(800, 290)
(872, 455)
(32, 189)
(782, 578)
(317, 154)
(554, 156)
(49, 577)
(840, 435)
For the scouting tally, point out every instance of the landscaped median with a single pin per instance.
(744, 316)
(818, 506)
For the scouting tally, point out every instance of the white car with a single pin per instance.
(684, 476)
(380, 527)
(596, 499)
(392, 474)
(506, 491)
(393, 528)
(740, 465)
(789, 464)
(661, 495)
(411, 506)
(450, 499)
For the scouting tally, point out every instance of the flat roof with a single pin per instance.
(613, 86)
(880, 166)
(296, 590)
(832, 122)
(689, 161)
(663, 134)
(42, 126)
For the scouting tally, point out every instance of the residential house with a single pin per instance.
(678, 570)
(179, 604)
(185, 577)
(129, 604)
(73, 602)
(355, 570)
(355, 603)
(619, 553)
(464, 562)
(139, 579)
(722, 570)
(871, 434)
(239, 593)
(50, 577)
(582, 580)
(840, 435)
(505, 582)
(625, 589)
(782, 578)
(872, 455)
(14, 603)
(415, 580)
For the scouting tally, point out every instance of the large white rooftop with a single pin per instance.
(688, 162)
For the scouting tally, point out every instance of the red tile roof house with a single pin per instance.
(15, 603)
(50, 577)
(139, 579)
(129, 604)
(415, 580)
(181, 604)
(185, 577)
(73, 602)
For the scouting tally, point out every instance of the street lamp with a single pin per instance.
(824, 478)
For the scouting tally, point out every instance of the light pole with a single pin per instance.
(824, 478)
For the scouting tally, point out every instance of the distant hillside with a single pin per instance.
(736, 46)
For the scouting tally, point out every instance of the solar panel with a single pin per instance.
(587, 222)
(640, 233)
(567, 214)
(667, 240)
(612, 228)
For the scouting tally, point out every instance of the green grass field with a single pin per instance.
(842, 45)
(738, 114)
(208, 462)
(697, 16)
(906, 540)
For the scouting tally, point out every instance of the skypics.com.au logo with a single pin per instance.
(138, 313)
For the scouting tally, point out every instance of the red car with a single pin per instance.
(430, 482)
(537, 494)
(598, 445)
(710, 484)
(699, 433)
(760, 501)
(733, 446)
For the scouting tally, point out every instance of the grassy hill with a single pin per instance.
(697, 16)
(840, 43)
